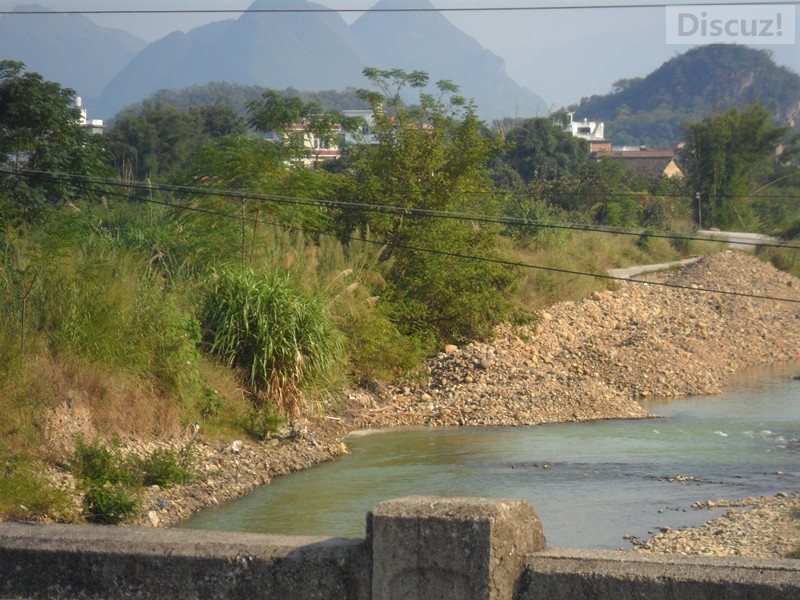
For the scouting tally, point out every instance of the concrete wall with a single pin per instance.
(418, 548)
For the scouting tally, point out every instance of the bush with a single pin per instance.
(95, 462)
(109, 503)
(108, 476)
(284, 340)
(165, 466)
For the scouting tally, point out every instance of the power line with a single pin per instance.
(498, 261)
(462, 9)
(397, 210)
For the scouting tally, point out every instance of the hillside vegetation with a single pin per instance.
(705, 80)
(178, 276)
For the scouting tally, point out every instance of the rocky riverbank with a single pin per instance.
(583, 361)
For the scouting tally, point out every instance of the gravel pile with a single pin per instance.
(593, 359)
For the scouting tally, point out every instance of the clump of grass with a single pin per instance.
(109, 503)
(26, 494)
(283, 340)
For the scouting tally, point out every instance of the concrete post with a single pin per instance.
(429, 548)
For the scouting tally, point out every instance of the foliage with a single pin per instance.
(97, 304)
(109, 503)
(109, 477)
(303, 130)
(25, 493)
(157, 141)
(725, 158)
(540, 148)
(236, 96)
(283, 340)
(44, 150)
(428, 157)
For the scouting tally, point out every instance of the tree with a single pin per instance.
(432, 157)
(158, 141)
(43, 146)
(725, 158)
(303, 129)
(540, 148)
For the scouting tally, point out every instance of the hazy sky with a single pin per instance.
(561, 54)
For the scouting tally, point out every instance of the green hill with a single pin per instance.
(705, 80)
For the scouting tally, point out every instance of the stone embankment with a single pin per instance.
(582, 361)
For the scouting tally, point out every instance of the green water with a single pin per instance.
(591, 483)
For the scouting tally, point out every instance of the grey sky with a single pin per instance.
(560, 54)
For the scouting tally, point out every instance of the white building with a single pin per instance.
(93, 126)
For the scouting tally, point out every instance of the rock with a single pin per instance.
(235, 446)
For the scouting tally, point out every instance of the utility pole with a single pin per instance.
(699, 211)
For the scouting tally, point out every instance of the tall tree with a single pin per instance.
(725, 158)
(302, 129)
(541, 148)
(158, 140)
(43, 145)
(429, 156)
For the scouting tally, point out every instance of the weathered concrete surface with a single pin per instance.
(426, 548)
(594, 575)
(418, 548)
(86, 561)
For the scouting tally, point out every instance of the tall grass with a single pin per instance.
(284, 340)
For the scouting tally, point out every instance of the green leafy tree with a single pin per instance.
(157, 140)
(302, 129)
(43, 145)
(725, 160)
(429, 156)
(540, 148)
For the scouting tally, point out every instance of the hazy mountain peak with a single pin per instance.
(428, 41)
(70, 49)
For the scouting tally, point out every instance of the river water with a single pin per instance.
(591, 483)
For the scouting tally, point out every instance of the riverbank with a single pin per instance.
(586, 360)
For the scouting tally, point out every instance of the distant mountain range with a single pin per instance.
(702, 81)
(311, 49)
(69, 49)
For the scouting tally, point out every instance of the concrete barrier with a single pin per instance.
(418, 548)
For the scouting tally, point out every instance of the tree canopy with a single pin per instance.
(431, 156)
(725, 158)
(541, 148)
(43, 145)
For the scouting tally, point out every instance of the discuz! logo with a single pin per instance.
(731, 23)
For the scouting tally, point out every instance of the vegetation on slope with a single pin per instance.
(705, 80)
(177, 271)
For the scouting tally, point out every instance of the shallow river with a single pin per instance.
(591, 483)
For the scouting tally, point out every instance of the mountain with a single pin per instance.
(69, 49)
(425, 40)
(305, 50)
(702, 81)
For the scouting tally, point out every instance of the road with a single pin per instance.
(736, 239)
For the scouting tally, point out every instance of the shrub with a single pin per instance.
(282, 339)
(95, 462)
(109, 503)
(166, 466)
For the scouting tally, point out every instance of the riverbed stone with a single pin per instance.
(427, 547)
